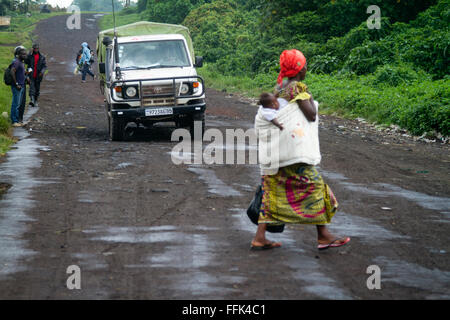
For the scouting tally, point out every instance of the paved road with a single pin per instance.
(140, 226)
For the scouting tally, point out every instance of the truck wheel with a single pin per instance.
(197, 117)
(116, 129)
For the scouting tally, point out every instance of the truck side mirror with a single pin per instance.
(198, 62)
(101, 67)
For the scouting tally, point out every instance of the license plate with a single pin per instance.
(158, 112)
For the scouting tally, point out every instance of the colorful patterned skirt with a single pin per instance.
(296, 194)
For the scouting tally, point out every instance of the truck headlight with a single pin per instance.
(131, 92)
(184, 88)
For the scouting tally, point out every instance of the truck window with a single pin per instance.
(149, 54)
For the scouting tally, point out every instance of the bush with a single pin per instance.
(324, 64)
(394, 75)
(366, 59)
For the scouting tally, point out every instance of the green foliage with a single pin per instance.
(107, 21)
(418, 105)
(396, 74)
(324, 64)
(171, 11)
(366, 58)
(142, 4)
(5, 143)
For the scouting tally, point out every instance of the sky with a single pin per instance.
(60, 3)
(63, 3)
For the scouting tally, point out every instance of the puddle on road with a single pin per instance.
(387, 190)
(89, 261)
(215, 185)
(50, 77)
(365, 229)
(17, 171)
(86, 197)
(135, 234)
(188, 252)
(123, 165)
(198, 255)
(216, 154)
(183, 157)
(235, 124)
(415, 276)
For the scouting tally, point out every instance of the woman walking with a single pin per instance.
(85, 62)
(294, 192)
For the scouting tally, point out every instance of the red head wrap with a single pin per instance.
(291, 63)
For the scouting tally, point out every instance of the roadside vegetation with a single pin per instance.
(18, 33)
(398, 74)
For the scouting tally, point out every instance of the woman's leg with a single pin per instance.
(324, 236)
(83, 72)
(260, 238)
(88, 70)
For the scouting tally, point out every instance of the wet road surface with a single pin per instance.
(140, 226)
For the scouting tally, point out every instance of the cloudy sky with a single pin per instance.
(65, 3)
(60, 3)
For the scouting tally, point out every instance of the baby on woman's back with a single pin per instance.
(270, 105)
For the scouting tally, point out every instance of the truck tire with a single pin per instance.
(197, 117)
(116, 129)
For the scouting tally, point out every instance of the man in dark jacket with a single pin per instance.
(18, 84)
(35, 61)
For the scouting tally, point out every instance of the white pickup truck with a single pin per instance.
(148, 75)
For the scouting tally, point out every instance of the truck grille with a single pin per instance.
(148, 102)
(158, 95)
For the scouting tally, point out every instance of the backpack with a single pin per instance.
(7, 77)
(91, 61)
(79, 54)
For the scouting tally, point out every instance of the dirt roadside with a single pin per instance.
(141, 227)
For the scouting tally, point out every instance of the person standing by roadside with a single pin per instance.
(23, 96)
(18, 84)
(38, 65)
(85, 62)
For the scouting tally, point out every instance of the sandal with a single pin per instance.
(267, 246)
(333, 244)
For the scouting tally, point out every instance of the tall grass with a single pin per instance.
(421, 105)
(106, 22)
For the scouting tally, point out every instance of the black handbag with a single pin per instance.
(254, 208)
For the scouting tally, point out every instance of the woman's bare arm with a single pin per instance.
(308, 108)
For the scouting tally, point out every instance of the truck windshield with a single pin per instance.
(153, 54)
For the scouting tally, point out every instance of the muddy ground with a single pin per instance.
(141, 227)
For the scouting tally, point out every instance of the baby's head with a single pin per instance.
(268, 100)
